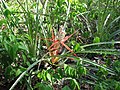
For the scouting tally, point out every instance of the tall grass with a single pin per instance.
(28, 30)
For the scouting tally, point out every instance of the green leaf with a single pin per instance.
(73, 42)
(66, 88)
(77, 47)
(6, 13)
(18, 72)
(49, 77)
(65, 66)
(3, 22)
(95, 64)
(22, 46)
(115, 33)
(76, 84)
(116, 67)
(24, 58)
(96, 40)
(41, 86)
(100, 43)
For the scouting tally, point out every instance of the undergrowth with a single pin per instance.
(26, 34)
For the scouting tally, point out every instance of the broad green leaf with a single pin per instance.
(39, 75)
(96, 40)
(18, 72)
(41, 86)
(66, 88)
(7, 13)
(49, 77)
(77, 47)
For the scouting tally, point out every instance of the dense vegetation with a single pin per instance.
(26, 28)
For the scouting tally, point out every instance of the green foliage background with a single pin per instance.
(25, 26)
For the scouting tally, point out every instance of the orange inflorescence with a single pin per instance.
(58, 43)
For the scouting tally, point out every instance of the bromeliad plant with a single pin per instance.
(28, 31)
(58, 43)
